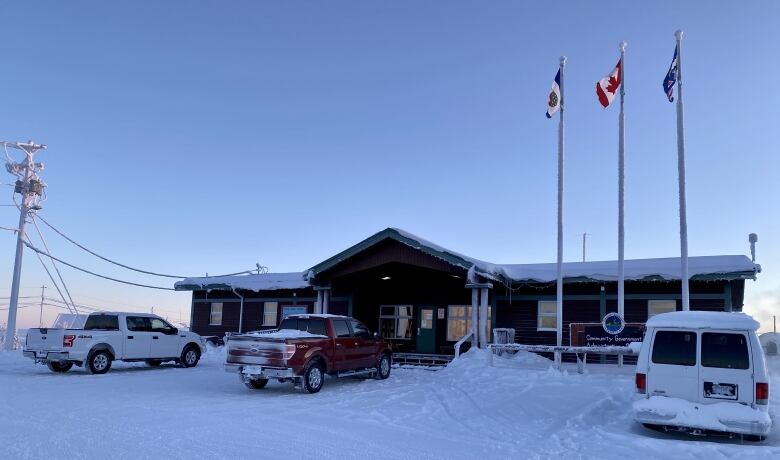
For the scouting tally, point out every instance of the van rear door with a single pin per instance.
(726, 372)
(672, 369)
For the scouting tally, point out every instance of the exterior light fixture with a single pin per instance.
(385, 278)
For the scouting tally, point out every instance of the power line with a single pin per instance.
(93, 273)
(120, 264)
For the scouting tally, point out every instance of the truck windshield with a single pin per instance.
(311, 325)
(102, 322)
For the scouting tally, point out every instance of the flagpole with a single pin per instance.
(621, 184)
(681, 179)
(559, 283)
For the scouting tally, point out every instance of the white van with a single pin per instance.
(703, 373)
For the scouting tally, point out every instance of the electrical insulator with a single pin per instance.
(36, 187)
(19, 187)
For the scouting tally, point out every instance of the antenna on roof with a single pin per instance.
(753, 238)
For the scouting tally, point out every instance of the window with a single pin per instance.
(270, 311)
(138, 324)
(395, 321)
(724, 351)
(677, 348)
(459, 321)
(342, 330)
(656, 307)
(215, 316)
(102, 322)
(159, 325)
(547, 319)
(359, 330)
(311, 325)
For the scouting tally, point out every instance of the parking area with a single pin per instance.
(518, 408)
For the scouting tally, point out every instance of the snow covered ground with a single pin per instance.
(519, 408)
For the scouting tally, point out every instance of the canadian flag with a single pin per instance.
(607, 87)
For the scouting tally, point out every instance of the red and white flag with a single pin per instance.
(607, 87)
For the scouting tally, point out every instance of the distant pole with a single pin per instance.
(40, 319)
(621, 184)
(27, 188)
(559, 282)
(584, 243)
(681, 179)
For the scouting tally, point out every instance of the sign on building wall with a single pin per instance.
(596, 334)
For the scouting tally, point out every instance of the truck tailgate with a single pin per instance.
(265, 351)
(46, 338)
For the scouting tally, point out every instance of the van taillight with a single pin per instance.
(289, 351)
(641, 383)
(762, 393)
(67, 341)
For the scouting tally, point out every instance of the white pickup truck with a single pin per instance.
(113, 336)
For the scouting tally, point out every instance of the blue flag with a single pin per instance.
(671, 77)
(554, 98)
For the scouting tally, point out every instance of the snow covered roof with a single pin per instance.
(704, 320)
(257, 282)
(702, 267)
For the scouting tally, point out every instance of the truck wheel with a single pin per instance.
(383, 367)
(153, 362)
(190, 356)
(56, 366)
(99, 362)
(253, 384)
(313, 377)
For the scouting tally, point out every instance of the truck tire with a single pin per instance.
(56, 366)
(153, 362)
(189, 356)
(253, 384)
(99, 362)
(383, 367)
(313, 377)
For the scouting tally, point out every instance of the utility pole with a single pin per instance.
(584, 243)
(30, 187)
(40, 319)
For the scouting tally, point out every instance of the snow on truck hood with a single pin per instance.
(704, 320)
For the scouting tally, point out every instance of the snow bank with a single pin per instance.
(704, 319)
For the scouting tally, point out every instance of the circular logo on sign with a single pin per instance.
(553, 99)
(613, 323)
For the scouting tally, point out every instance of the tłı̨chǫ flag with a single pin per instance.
(607, 87)
(554, 100)
(671, 78)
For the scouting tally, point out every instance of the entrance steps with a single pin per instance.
(419, 359)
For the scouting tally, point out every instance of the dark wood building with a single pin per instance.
(424, 298)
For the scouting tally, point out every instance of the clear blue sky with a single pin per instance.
(202, 137)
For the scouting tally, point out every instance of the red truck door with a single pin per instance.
(345, 345)
(365, 352)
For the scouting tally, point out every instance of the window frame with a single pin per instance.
(540, 315)
(212, 313)
(710, 365)
(650, 304)
(266, 314)
(467, 320)
(396, 317)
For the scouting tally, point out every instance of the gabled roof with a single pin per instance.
(724, 267)
(668, 268)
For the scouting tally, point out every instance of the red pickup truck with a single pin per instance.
(304, 349)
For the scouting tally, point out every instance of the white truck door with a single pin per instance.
(138, 339)
(672, 369)
(726, 370)
(165, 340)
